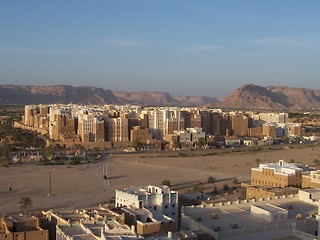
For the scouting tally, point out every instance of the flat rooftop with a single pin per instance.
(140, 191)
(311, 190)
(270, 208)
(69, 214)
(72, 230)
(240, 214)
(18, 218)
(279, 190)
(84, 237)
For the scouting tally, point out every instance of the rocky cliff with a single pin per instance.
(250, 96)
(10, 94)
(14, 94)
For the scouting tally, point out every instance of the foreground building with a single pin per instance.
(158, 200)
(287, 217)
(22, 228)
(311, 180)
(262, 192)
(147, 222)
(281, 174)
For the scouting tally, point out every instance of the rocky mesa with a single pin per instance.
(248, 96)
(251, 96)
(16, 94)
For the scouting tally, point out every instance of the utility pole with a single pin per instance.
(49, 194)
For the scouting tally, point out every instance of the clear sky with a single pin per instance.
(184, 47)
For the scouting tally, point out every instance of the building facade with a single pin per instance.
(279, 174)
(160, 200)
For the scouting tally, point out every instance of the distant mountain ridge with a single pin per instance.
(248, 96)
(19, 94)
(251, 96)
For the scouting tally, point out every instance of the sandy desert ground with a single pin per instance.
(84, 186)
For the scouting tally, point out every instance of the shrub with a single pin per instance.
(235, 181)
(211, 180)
(166, 182)
(197, 188)
(75, 162)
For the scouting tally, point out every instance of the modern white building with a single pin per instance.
(271, 117)
(196, 134)
(270, 213)
(161, 120)
(184, 136)
(161, 200)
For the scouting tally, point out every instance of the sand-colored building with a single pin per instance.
(117, 129)
(141, 134)
(22, 227)
(281, 174)
(239, 125)
(147, 222)
(30, 111)
(90, 128)
(295, 130)
(311, 180)
(262, 192)
(61, 124)
(255, 131)
(192, 119)
(269, 130)
(173, 141)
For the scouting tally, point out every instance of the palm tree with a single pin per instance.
(25, 203)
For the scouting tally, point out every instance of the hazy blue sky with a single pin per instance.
(184, 47)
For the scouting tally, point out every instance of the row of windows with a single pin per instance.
(166, 206)
(268, 183)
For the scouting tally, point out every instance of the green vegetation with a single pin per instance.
(25, 203)
(316, 162)
(214, 190)
(15, 112)
(302, 115)
(201, 142)
(166, 182)
(211, 180)
(79, 147)
(198, 188)
(61, 160)
(225, 187)
(20, 137)
(136, 144)
(75, 161)
(5, 155)
(49, 153)
(235, 181)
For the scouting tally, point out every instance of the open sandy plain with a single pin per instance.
(84, 185)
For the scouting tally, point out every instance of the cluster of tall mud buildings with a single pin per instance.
(111, 125)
